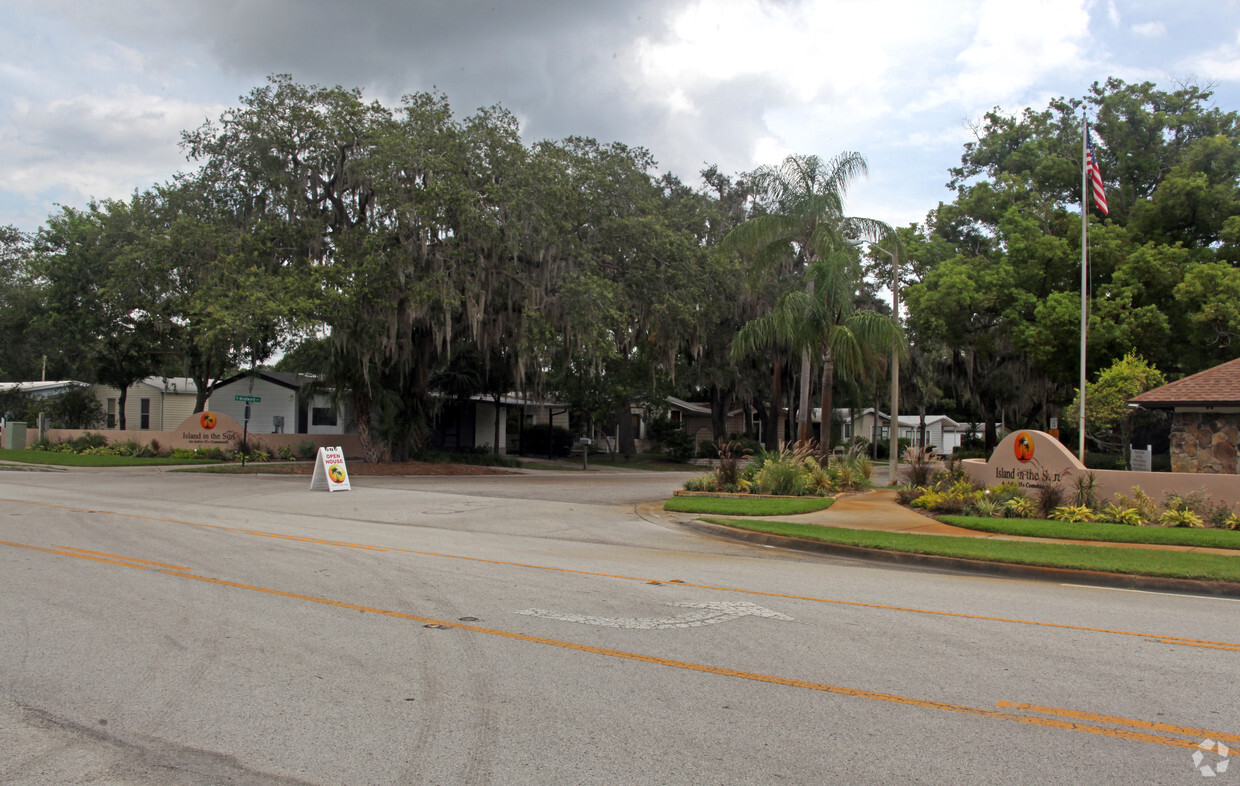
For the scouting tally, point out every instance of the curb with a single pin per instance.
(997, 569)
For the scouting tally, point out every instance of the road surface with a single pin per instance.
(160, 627)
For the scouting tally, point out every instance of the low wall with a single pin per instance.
(351, 443)
(1031, 458)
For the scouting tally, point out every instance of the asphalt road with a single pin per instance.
(167, 628)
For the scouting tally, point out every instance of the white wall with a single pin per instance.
(484, 426)
(276, 400)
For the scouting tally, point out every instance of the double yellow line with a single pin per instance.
(1129, 729)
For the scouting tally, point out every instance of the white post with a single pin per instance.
(1084, 279)
(894, 458)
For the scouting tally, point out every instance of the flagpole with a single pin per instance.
(1084, 243)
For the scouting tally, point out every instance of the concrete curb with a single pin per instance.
(998, 569)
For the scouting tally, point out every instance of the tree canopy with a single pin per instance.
(408, 255)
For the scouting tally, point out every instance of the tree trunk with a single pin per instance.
(874, 442)
(361, 413)
(771, 436)
(828, 403)
(120, 407)
(624, 431)
(803, 417)
(496, 450)
(992, 438)
(720, 401)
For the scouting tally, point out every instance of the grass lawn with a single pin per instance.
(1110, 533)
(1108, 559)
(51, 458)
(746, 507)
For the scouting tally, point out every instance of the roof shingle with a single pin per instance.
(1218, 386)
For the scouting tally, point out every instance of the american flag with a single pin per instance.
(1095, 174)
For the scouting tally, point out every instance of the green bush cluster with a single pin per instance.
(792, 472)
(674, 442)
(91, 444)
(950, 493)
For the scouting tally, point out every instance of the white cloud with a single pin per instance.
(95, 145)
(1018, 44)
(1150, 29)
(1220, 63)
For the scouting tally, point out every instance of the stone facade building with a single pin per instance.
(1205, 424)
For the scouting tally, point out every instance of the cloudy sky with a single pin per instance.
(93, 96)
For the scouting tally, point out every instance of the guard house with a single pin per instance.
(1205, 420)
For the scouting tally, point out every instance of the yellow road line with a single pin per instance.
(1138, 724)
(126, 559)
(1160, 638)
(125, 564)
(1124, 734)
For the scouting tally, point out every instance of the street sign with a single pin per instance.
(248, 399)
(1054, 424)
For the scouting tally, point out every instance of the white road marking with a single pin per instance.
(710, 613)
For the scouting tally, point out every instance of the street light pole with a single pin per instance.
(894, 433)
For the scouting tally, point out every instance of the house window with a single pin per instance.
(111, 411)
(675, 416)
(322, 416)
(144, 414)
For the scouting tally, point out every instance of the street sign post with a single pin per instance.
(245, 423)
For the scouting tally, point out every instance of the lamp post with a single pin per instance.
(894, 434)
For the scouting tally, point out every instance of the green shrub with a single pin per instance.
(87, 441)
(1050, 496)
(954, 499)
(918, 466)
(307, 450)
(701, 483)
(989, 507)
(285, 453)
(727, 473)
(1085, 490)
(1115, 514)
(1141, 502)
(1180, 518)
(1073, 514)
(677, 445)
(1020, 507)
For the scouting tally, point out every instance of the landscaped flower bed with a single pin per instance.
(787, 472)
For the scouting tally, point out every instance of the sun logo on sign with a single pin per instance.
(336, 473)
(1024, 447)
(207, 419)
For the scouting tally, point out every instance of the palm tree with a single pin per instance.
(803, 224)
(823, 318)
